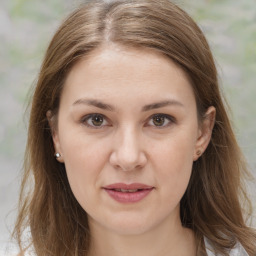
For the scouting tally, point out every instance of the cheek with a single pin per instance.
(174, 165)
(83, 161)
(82, 153)
(175, 155)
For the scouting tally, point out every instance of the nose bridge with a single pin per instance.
(128, 153)
(129, 143)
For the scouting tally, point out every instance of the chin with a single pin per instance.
(130, 226)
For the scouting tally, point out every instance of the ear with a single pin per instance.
(205, 132)
(55, 136)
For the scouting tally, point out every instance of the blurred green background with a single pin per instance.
(26, 27)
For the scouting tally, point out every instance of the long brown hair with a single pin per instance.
(212, 204)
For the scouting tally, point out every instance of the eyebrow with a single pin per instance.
(162, 104)
(95, 103)
(101, 105)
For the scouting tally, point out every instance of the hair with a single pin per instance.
(214, 203)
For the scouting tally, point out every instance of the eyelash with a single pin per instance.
(169, 118)
(86, 118)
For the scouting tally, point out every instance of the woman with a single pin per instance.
(128, 102)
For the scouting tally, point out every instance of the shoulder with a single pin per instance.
(238, 250)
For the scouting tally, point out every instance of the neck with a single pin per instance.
(167, 239)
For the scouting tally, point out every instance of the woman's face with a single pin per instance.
(128, 134)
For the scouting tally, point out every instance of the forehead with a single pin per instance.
(120, 71)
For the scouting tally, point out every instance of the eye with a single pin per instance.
(95, 121)
(160, 120)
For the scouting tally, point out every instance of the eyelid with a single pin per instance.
(84, 120)
(169, 117)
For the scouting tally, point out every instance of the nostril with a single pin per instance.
(128, 167)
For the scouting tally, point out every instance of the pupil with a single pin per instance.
(158, 120)
(97, 120)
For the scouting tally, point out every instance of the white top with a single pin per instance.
(238, 250)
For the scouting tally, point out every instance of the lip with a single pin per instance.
(128, 197)
(128, 186)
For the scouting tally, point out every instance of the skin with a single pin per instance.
(129, 144)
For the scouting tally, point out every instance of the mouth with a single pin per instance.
(127, 190)
(128, 193)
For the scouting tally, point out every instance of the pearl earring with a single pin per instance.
(57, 155)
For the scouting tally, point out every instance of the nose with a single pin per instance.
(127, 154)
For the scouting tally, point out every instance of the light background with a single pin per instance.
(26, 27)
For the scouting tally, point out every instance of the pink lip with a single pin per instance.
(128, 197)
